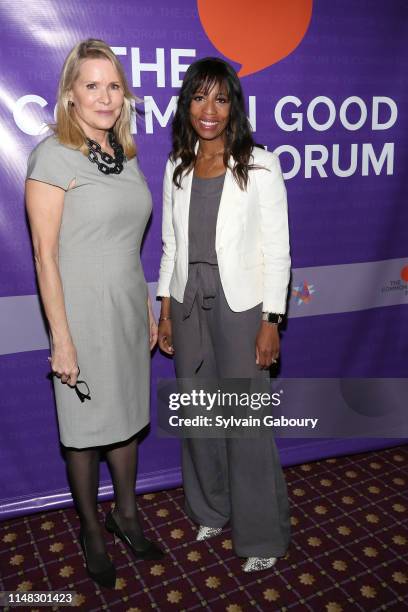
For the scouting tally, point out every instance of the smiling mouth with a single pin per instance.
(208, 124)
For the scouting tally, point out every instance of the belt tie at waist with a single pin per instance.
(201, 288)
(201, 285)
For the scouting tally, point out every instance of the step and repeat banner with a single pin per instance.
(326, 88)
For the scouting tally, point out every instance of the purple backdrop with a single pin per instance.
(334, 110)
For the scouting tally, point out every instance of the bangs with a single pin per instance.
(207, 80)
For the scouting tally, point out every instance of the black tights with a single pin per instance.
(83, 475)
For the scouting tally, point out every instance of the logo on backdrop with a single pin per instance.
(398, 284)
(404, 273)
(303, 293)
(255, 37)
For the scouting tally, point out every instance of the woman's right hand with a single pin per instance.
(64, 363)
(165, 337)
(45, 206)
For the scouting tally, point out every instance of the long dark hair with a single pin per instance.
(202, 76)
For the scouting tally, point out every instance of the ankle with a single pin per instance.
(90, 527)
(125, 515)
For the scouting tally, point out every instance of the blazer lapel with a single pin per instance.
(227, 198)
(185, 195)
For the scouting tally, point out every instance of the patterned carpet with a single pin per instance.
(349, 549)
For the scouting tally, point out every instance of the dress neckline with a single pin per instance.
(209, 178)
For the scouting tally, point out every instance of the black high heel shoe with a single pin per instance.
(150, 552)
(105, 578)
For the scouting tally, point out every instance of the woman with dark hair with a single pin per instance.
(223, 282)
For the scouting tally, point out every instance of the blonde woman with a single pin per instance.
(88, 206)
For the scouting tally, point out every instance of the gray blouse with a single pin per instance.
(204, 204)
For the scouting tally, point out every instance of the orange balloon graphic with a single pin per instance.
(256, 34)
(404, 274)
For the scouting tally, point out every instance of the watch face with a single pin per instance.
(271, 317)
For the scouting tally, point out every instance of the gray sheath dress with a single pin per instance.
(225, 479)
(105, 294)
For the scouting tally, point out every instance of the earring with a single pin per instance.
(70, 103)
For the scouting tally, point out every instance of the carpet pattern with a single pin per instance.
(349, 549)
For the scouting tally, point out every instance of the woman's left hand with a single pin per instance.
(267, 345)
(153, 329)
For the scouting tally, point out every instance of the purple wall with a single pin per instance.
(347, 82)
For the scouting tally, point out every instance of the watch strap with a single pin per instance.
(272, 317)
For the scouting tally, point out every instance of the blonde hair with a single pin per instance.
(67, 128)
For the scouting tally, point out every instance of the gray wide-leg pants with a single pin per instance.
(230, 479)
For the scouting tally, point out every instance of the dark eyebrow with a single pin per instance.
(204, 93)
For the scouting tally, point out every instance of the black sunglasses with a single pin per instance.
(81, 388)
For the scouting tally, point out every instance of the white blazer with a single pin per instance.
(252, 238)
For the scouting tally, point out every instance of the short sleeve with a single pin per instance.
(52, 163)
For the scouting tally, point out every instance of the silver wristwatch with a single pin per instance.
(272, 317)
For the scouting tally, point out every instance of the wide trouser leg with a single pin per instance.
(259, 501)
(204, 460)
(205, 479)
(240, 479)
(258, 494)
